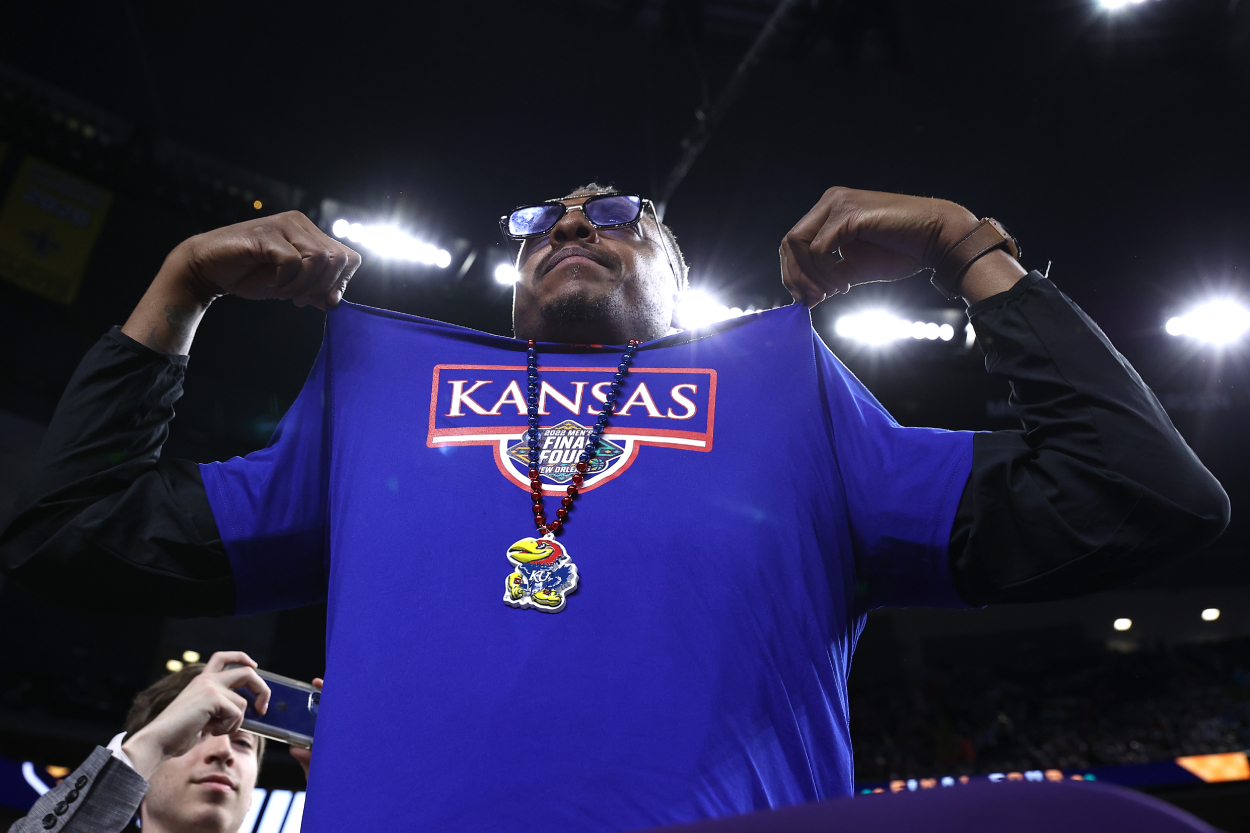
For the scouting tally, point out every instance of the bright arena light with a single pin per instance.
(507, 274)
(881, 327)
(1215, 322)
(1210, 614)
(1122, 624)
(1113, 5)
(696, 308)
(390, 242)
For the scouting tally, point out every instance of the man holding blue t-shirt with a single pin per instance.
(627, 564)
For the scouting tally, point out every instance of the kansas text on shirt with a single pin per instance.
(486, 405)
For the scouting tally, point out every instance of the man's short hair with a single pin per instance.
(670, 239)
(156, 698)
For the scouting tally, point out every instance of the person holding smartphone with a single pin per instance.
(182, 764)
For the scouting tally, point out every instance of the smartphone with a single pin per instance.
(292, 713)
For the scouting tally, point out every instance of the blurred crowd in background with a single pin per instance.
(1065, 703)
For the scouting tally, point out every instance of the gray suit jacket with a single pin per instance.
(101, 796)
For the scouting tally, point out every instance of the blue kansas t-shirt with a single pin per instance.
(751, 501)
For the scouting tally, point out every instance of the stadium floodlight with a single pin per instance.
(507, 274)
(881, 327)
(1122, 624)
(391, 243)
(1116, 5)
(1210, 614)
(874, 327)
(1221, 321)
(696, 308)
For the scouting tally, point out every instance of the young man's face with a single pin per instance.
(207, 789)
(587, 285)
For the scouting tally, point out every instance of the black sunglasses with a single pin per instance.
(603, 212)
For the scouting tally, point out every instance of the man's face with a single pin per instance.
(580, 284)
(208, 788)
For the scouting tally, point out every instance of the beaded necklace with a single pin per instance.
(545, 574)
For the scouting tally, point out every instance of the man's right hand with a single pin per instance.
(284, 257)
(209, 703)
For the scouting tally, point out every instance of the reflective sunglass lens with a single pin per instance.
(613, 211)
(536, 219)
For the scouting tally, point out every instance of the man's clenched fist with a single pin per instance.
(284, 256)
(852, 237)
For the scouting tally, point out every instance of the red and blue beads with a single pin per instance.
(592, 444)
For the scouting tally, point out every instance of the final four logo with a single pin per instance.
(558, 449)
(483, 405)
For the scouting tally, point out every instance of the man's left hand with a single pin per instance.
(852, 237)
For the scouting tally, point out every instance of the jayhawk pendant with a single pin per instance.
(544, 575)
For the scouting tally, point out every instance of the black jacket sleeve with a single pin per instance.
(106, 524)
(1097, 488)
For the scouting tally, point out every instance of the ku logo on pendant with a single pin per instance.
(544, 575)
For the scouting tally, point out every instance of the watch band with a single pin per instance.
(985, 238)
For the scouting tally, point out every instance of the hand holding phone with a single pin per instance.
(291, 716)
(214, 703)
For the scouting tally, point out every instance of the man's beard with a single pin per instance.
(581, 307)
(607, 318)
(602, 312)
